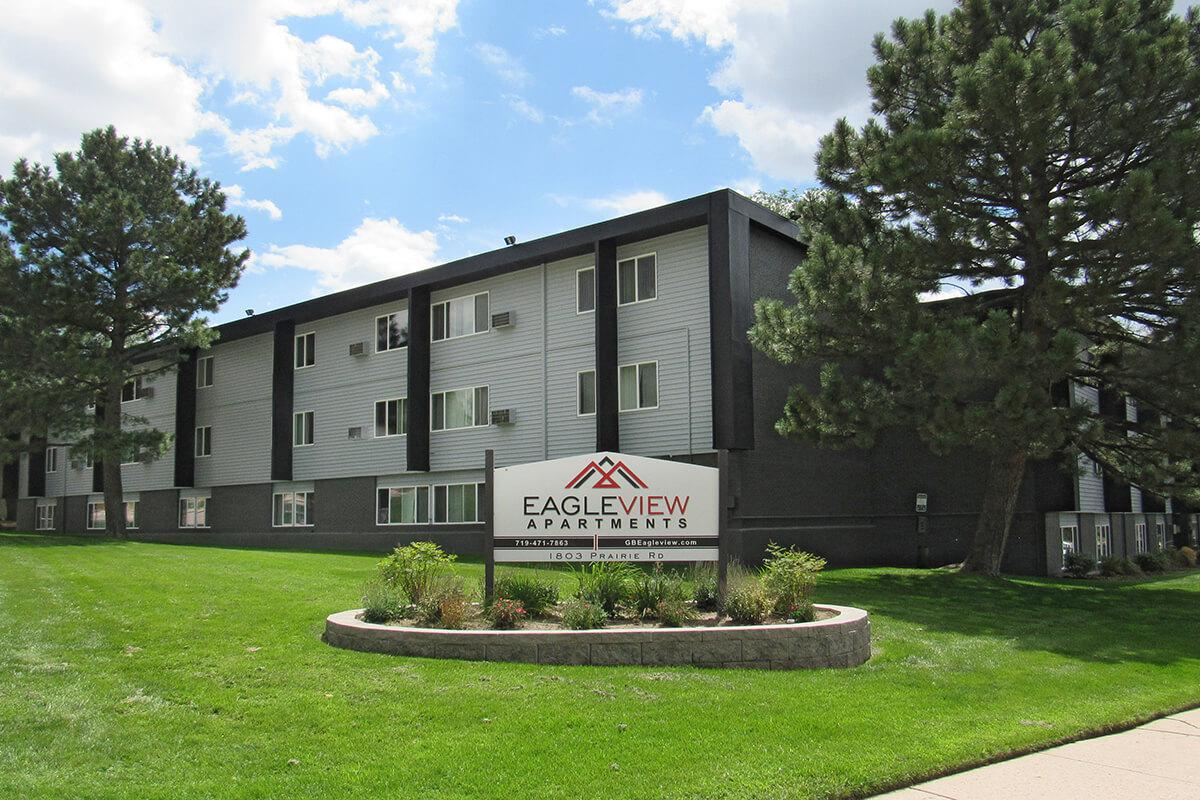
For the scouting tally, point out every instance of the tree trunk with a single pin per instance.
(1005, 472)
(114, 492)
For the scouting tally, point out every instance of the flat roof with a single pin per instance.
(652, 222)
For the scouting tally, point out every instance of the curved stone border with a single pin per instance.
(843, 640)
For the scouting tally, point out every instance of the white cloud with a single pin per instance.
(455, 218)
(619, 203)
(524, 108)
(605, 106)
(377, 249)
(236, 196)
(503, 64)
(550, 30)
(151, 67)
(791, 69)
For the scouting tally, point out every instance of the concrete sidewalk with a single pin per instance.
(1158, 761)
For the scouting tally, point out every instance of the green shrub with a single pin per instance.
(580, 615)
(748, 603)
(1078, 565)
(507, 614)
(674, 612)
(652, 588)
(704, 586)
(1114, 566)
(1152, 562)
(415, 569)
(381, 602)
(789, 577)
(536, 594)
(606, 584)
(1187, 557)
(444, 604)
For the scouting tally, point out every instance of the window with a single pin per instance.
(1139, 536)
(1103, 540)
(133, 390)
(1070, 539)
(585, 290)
(391, 417)
(637, 280)
(391, 331)
(95, 516)
(132, 456)
(461, 408)
(51, 459)
(1097, 470)
(204, 373)
(403, 505)
(585, 393)
(456, 502)
(131, 514)
(1160, 535)
(461, 316)
(303, 429)
(193, 512)
(204, 441)
(639, 386)
(86, 462)
(293, 509)
(306, 350)
(45, 517)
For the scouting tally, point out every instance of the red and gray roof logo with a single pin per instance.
(608, 471)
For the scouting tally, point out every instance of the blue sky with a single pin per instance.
(368, 138)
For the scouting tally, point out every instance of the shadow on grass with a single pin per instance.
(24, 539)
(1098, 621)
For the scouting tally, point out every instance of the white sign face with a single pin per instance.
(606, 507)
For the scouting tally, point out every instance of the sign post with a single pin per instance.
(489, 526)
(603, 507)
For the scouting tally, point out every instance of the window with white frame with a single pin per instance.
(1160, 535)
(204, 373)
(133, 389)
(391, 331)
(391, 417)
(45, 517)
(456, 502)
(86, 461)
(95, 515)
(402, 505)
(585, 393)
(459, 408)
(193, 512)
(1070, 539)
(1103, 540)
(461, 316)
(203, 441)
(293, 509)
(1139, 537)
(637, 279)
(306, 350)
(51, 459)
(303, 428)
(639, 386)
(585, 290)
(131, 514)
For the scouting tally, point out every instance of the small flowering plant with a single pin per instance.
(507, 614)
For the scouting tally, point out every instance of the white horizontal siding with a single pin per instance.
(158, 413)
(238, 408)
(1089, 484)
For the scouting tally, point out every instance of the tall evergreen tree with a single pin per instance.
(106, 266)
(1050, 147)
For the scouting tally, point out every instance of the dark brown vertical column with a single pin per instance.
(608, 419)
(731, 313)
(282, 394)
(185, 420)
(37, 467)
(418, 379)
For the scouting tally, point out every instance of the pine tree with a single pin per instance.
(106, 267)
(1046, 148)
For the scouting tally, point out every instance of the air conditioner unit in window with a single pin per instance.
(501, 416)
(358, 349)
(354, 433)
(146, 393)
(502, 319)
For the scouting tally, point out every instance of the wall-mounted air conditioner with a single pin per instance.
(502, 319)
(358, 349)
(355, 432)
(146, 393)
(501, 416)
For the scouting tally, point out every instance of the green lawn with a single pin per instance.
(144, 671)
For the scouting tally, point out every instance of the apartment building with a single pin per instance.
(359, 420)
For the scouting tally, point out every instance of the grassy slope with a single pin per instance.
(128, 672)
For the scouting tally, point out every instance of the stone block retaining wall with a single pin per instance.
(843, 640)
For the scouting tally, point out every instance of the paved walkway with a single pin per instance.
(1158, 761)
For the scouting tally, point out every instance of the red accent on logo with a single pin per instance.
(606, 479)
